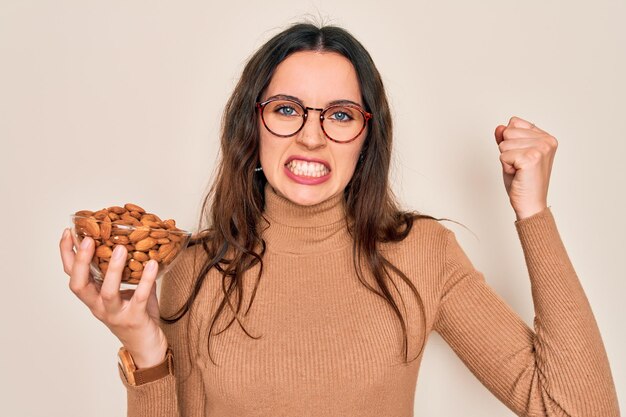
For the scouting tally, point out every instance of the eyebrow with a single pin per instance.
(330, 103)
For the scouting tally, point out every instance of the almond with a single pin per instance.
(126, 273)
(145, 244)
(170, 224)
(170, 256)
(139, 233)
(90, 226)
(133, 207)
(150, 223)
(105, 228)
(135, 265)
(100, 214)
(117, 209)
(175, 237)
(121, 240)
(140, 256)
(130, 219)
(120, 228)
(147, 216)
(104, 251)
(144, 235)
(165, 250)
(159, 234)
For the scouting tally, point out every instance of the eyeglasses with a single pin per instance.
(341, 123)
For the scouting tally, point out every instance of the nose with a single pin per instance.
(311, 136)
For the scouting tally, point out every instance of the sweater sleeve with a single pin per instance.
(180, 394)
(559, 369)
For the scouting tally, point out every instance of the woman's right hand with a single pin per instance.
(132, 315)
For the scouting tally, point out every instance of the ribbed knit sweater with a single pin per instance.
(330, 347)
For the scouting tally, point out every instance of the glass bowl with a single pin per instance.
(161, 241)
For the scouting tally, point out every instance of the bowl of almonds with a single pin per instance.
(144, 235)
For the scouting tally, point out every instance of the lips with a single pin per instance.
(307, 171)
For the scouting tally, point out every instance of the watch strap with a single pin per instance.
(142, 376)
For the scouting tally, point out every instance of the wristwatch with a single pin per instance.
(142, 376)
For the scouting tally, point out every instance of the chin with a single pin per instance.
(306, 195)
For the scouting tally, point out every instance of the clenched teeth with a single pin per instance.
(307, 169)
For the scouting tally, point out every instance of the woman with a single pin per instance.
(331, 288)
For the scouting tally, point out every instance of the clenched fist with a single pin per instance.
(526, 154)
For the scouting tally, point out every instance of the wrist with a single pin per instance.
(147, 358)
(527, 212)
(147, 348)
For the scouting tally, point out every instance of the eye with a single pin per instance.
(343, 114)
(286, 110)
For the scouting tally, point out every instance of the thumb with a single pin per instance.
(499, 133)
(153, 301)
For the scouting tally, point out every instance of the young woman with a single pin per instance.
(309, 292)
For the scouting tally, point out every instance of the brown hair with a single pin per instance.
(235, 202)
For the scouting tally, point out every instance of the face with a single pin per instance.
(308, 168)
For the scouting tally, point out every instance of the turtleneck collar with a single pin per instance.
(297, 229)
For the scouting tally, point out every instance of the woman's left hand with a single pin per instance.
(526, 154)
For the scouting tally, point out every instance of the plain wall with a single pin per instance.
(103, 103)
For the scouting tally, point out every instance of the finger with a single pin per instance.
(110, 290)
(525, 124)
(153, 302)
(498, 133)
(507, 163)
(146, 284)
(538, 129)
(66, 247)
(508, 145)
(521, 158)
(519, 133)
(81, 282)
(520, 123)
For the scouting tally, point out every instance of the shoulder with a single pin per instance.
(422, 251)
(426, 233)
(442, 241)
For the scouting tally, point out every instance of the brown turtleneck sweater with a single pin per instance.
(330, 347)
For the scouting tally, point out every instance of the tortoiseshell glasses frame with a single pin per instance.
(366, 116)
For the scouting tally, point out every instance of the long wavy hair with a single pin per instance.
(234, 204)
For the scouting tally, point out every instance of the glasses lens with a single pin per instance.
(283, 117)
(343, 123)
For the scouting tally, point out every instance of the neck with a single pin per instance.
(296, 229)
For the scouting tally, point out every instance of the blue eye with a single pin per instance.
(341, 116)
(288, 110)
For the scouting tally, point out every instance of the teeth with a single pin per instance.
(307, 169)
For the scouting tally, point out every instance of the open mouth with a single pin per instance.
(309, 169)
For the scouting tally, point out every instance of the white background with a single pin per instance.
(103, 103)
